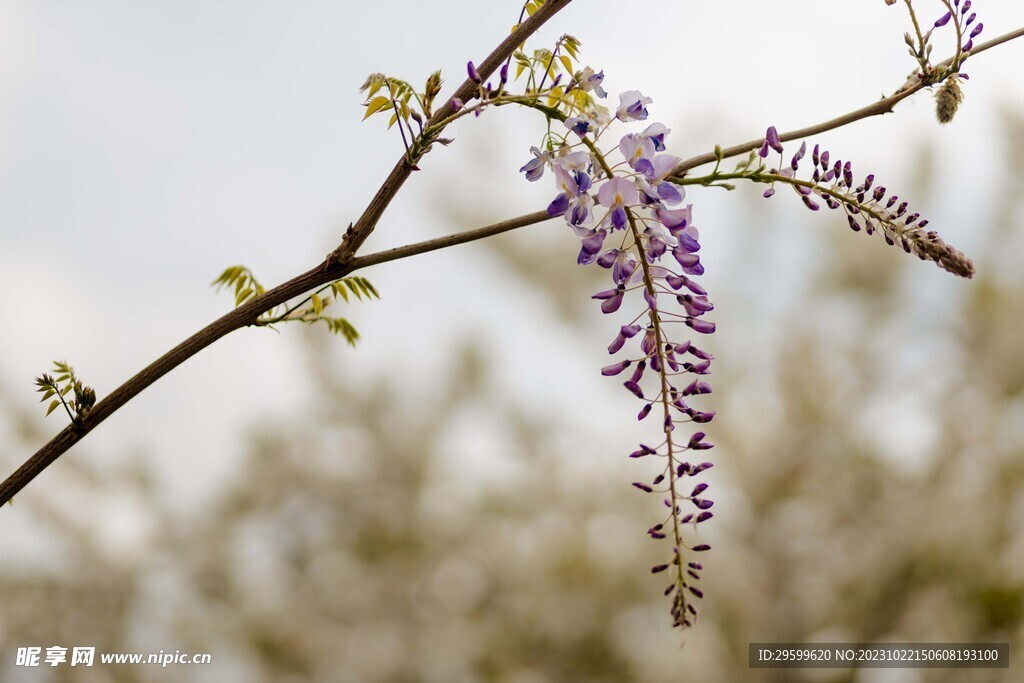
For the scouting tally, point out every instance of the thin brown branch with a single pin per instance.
(361, 229)
(342, 261)
(243, 316)
(448, 240)
(882, 106)
(337, 265)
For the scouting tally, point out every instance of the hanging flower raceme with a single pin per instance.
(868, 206)
(628, 218)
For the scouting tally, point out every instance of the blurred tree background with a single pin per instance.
(869, 480)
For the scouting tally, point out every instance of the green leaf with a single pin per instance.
(375, 105)
(566, 62)
(318, 304)
(339, 290)
(53, 406)
(352, 288)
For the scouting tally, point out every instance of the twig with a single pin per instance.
(362, 228)
(337, 265)
(243, 316)
(342, 261)
(882, 106)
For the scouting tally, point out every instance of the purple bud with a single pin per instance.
(611, 305)
(772, 138)
(701, 326)
(798, 156)
(703, 355)
(700, 548)
(769, 192)
(503, 74)
(696, 591)
(699, 488)
(704, 516)
(977, 30)
(639, 372)
(559, 205)
(703, 503)
(643, 487)
(634, 388)
(474, 75)
(943, 20)
(612, 370)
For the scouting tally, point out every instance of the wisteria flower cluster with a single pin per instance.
(868, 206)
(631, 221)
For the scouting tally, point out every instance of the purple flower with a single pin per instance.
(656, 132)
(591, 245)
(617, 194)
(632, 106)
(653, 184)
(625, 332)
(636, 148)
(621, 261)
(590, 81)
(534, 168)
(657, 240)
